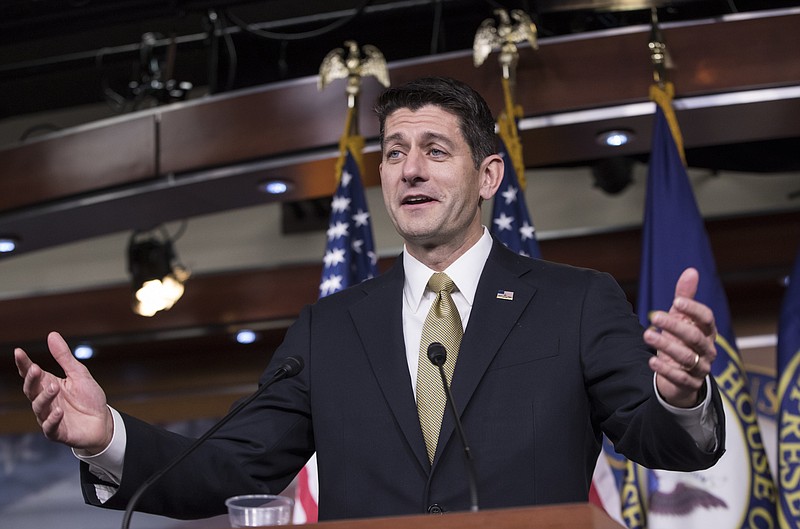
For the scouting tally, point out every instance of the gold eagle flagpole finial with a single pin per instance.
(349, 64)
(341, 63)
(505, 36)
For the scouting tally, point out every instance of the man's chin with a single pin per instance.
(416, 232)
(426, 241)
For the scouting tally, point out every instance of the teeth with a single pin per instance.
(416, 200)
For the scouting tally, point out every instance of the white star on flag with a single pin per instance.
(510, 195)
(347, 176)
(503, 222)
(340, 203)
(527, 231)
(330, 285)
(361, 218)
(340, 229)
(333, 256)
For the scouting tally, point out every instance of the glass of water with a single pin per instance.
(257, 510)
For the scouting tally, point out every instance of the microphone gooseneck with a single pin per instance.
(290, 367)
(437, 354)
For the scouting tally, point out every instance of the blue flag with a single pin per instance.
(739, 490)
(789, 402)
(511, 223)
(350, 251)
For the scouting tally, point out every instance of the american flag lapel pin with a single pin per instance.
(505, 294)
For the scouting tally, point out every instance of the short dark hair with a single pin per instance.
(474, 117)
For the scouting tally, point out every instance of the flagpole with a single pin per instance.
(662, 91)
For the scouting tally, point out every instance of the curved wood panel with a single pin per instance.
(107, 154)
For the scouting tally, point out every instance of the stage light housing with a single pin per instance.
(158, 278)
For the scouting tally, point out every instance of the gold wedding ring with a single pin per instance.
(694, 364)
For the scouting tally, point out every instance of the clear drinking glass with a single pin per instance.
(256, 510)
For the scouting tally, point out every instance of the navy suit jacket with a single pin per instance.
(539, 378)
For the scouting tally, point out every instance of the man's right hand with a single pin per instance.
(71, 410)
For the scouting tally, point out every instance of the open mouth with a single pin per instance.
(416, 200)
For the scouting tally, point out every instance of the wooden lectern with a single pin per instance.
(564, 516)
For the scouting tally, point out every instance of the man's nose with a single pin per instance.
(412, 166)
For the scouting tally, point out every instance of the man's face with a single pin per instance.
(431, 187)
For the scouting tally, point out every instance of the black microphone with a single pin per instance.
(437, 354)
(290, 367)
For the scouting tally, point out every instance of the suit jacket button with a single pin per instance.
(435, 509)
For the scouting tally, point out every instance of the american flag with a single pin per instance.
(349, 259)
(511, 223)
(350, 251)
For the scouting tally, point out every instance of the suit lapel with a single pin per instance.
(378, 320)
(490, 321)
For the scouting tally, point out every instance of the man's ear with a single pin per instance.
(491, 169)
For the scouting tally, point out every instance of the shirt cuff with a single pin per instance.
(107, 465)
(699, 422)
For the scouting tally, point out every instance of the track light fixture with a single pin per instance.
(158, 277)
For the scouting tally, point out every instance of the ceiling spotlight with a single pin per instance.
(246, 336)
(275, 187)
(615, 138)
(83, 352)
(157, 276)
(8, 244)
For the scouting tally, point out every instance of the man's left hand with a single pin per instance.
(684, 341)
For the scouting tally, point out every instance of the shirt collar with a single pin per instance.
(465, 272)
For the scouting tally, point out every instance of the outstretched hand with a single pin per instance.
(684, 340)
(71, 410)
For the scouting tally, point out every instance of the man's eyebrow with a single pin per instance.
(427, 137)
(435, 137)
(395, 137)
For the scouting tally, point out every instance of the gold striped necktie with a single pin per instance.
(443, 324)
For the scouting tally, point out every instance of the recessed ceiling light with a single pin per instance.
(8, 244)
(246, 336)
(275, 187)
(83, 352)
(615, 138)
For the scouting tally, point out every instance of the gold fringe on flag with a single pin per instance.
(663, 94)
(354, 142)
(507, 129)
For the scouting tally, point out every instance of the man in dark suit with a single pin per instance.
(551, 357)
